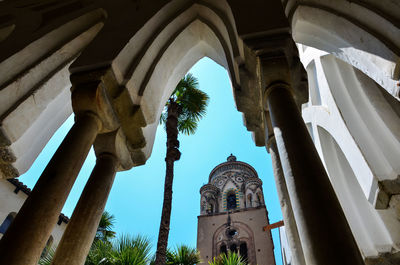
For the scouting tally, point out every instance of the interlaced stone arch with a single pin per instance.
(349, 191)
(368, 40)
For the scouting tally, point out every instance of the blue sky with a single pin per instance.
(136, 196)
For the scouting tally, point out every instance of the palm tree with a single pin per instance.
(104, 230)
(126, 250)
(46, 259)
(99, 253)
(184, 109)
(183, 255)
(231, 259)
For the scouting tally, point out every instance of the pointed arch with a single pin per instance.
(371, 119)
(372, 47)
(366, 225)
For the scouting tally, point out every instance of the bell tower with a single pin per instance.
(233, 214)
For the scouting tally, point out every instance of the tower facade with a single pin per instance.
(233, 214)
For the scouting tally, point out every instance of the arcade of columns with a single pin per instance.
(124, 59)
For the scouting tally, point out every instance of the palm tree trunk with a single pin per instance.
(172, 155)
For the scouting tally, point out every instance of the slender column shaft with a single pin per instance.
(286, 206)
(26, 237)
(325, 234)
(78, 237)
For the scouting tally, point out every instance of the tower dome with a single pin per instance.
(233, 185)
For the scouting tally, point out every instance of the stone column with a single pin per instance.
(287, 212)
(78, 237)
(325, 234)
(27, 235)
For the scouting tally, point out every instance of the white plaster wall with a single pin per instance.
(11, 202)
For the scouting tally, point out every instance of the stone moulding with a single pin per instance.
(232, 165)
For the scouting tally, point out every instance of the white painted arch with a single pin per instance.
(331, 32)
(368, 229)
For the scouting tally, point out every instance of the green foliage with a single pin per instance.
(126, 250)
(231, 259)
(104, 230)
(46, 260)
(99, 253)
(192, 104)
(183, 255)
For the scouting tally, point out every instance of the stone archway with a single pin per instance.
(362, 34)
(356, 207)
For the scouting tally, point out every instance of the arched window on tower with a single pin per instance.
(249, 200)
(260, 198)
(223, 249)
(233, 248)
(231, 201)
(4, 226)
(210, 208)
(243, 251)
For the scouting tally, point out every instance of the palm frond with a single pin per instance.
(129, 250)
(188, 81)
(100, 253)
(104, 231)
(183, 255)
(231, 259)
(187, 125)
(163, 118)
(126, 250)
(192, 104)
(107, 220)
(46, 260)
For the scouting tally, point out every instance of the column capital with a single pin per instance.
(115, 143)
(279, 61)
(106, 155)
(99, 91)
(277, 85)
(93, 98)
(89, 115)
